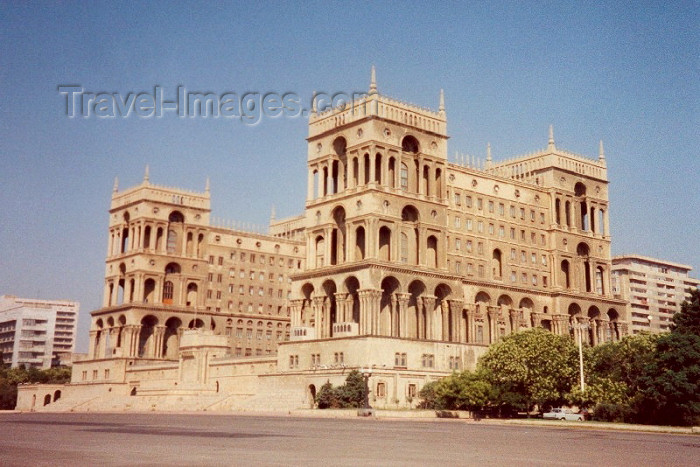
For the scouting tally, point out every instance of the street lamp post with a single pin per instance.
(579, 328)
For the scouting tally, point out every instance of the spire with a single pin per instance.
(488, 155)
(373, 81)
(441, 108)
(206, 186)
(272, 214)
(116, 185)
(146, 175)
(601, 152)
(550, 145)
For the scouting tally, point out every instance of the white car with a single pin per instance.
(563, 414)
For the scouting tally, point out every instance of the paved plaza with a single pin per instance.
(212, 439)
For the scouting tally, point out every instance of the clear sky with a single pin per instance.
(623, 72)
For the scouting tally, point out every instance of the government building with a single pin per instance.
(403, 264)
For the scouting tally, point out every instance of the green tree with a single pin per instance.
(687, 321)
(350, 394)
(465, 391)
(533, 367)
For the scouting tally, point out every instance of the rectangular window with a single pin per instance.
(490, 206)
(541, 218)
(458, 222)
(533, 238)
(542, 240)
(479, 203)
(468, 201)
(468, 224)
(458, 199)
(400, 359)
(533, 258)
(544, 260)
(470, 268)
(218, 278)
(481, 270)
(512, 233)
(210, 277)
(480, 227)
(524, 278)
(381, 390)
(428, 360)
(469, 246)
(480, 248)
(458, 267)
(242, 256)
(211, 260)
(513, 276)
(523, 256)
(252, 257)
(221, 260)
(218, 294)
(512, 211)
(532, 215)
(412, 392)
(491, 229)
(501, 209)
(534, 279)
(501, 231)
(522, 213)
(458, 244)
(513, 253)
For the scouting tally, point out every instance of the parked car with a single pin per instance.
(563, 414)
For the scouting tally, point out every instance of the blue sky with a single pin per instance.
(623, 72)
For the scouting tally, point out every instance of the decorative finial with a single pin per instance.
(116, 185)
(146, 175)
(488, 155)
(373, 81)
(272, 213)
(601, 152)
(313, 103)
(206, 186)
(441, 108)
(550, 145)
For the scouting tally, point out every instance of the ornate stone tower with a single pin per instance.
(375, 216)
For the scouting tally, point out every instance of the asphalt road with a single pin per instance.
(212, 439)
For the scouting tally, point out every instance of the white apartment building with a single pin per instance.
(36, 333)
(655, 289)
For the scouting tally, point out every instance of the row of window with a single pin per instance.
(253, 258)
(512, 233)
(95, 374)
(239, 352)
(491, 207)
(248, 308)
(251, 291)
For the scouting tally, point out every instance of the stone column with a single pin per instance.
(593, 323)
(310, 185)
(456, 307)
(470, 331)
(365, 311)
(341, 176)
(394, 314)
(536, 319)
(402, 300)
(341, 307)
(376, 312)
(361, 167)
(93, 344)
(493, 313)
(296, 306)
(159, 335)
(514, 315)
(429, 304)
(420, 318)
(317, 311)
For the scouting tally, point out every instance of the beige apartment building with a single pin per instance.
(37, 333)
(403, 263)
(655, 289)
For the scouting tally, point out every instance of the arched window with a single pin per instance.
(404, 248)
(385, 244)
(496, 264)
(391, 176)
(192, 294)
(557, 211)
(404, 177)
(168, 290)
(320, 251)
(172, 241)
(410, 144)
(565, 279)
(360, 243)
(567, 213)
(432, 258)
(147, 237)
(599, 287)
